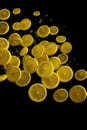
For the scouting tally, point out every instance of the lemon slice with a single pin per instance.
(54, 30)
(16, 11)
(65, 73)
(24, 80)
(3, 77)
(4, 27)
(80, 75)
(37, 92)
(45, 69)
(25, 24)
(43, 31)
(5, 56)
(66, 47)
(4, 43)
(4, 14)
(51, 82)
(24, 51)
(42, 58)
(61, 39)
(16, 26)
(13, 73)
(25, 58)
(60, 95)
(36, 13)
(44, 43)
(77, 94)
(63, 58)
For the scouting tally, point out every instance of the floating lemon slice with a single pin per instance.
(4, 27)
(27, 40)
(43, 31)
(51, 82)
(80, 75)
(37, 92)
(5, 56)
(36, 13)
(54, 30)
(14, 39)
(44, 43)
(37, 51)
(4, 43)
(65, 73)
(30, 65)
(24, 80)
(60, 95)
(16, 11)
(4, 14)
(55, 61)
(25, 24)
(42, 58)
(61, 39)
(66, 47)
(45, 69)
(25, 58)
(3, 77)
(13, 73)
(24, 51)
(63, 58)
(77, 94)
(16, 26)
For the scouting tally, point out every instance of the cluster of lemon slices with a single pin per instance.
(48, 59)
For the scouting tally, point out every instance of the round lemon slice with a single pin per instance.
(63, 58)
(24, 80)
(36, 13)
(77, 94)
(16, 11)
(4, 14)
(51, 82)
(16, 26)
(4, 43)
(60, 95)
(37, 92)
(54, 30)
(24, 51)
(65, 73)
(25, 24)
(44, 43)
(4, 27)
(61, 39)
(42, 58)
(3, 77)
(66, 47)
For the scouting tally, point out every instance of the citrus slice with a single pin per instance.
(54, 30)
(80, 75)
(77, 94)
(65, 73)
(61, 39)
(4, 14)
(16, 11)
(45, 69)
(37, 92)
(4, 43)
(24, 80)
(60, 95)
(63, 58)
(25, 24)
(51, 82)
(66, 47)
(3, 77)
(4, 27)
(36, 13)
(42, 58)
(16, 26)
(24, 51)
(44, 43)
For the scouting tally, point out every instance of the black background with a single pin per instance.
(71, 19)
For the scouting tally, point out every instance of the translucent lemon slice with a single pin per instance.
(14, 39)
(51, 82)
(43, 31)
(77, 94)
(37, 51)
(54, 30)
(13, 73)
(66, 47)
(65, 73)
(61, 39)
(24, 80)
(4, 43)
(80, 75)
(44, 43)
(55, 61)
(30, 65)
(5, 56)
(4, 27)
(45, 69)
(27, 40)
(37, 92)
(25, 58)
(36, 13)
(60, 95)
(16, 26)
(63, 58)
(42, 58)
(16, 11)
(24, 51)
(3, 77)
(4, 14)
(25, 24)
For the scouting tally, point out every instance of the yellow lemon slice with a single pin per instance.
(36, 13)
(60, 95)
(63, 58)
(4, 14)
(61, 39)
(54, 30)
(42, 58)
(44, 43)
(51, 82)
(25, 58)
(5, 56)
(4, 27)
(45, 69)
(25, 24)
(24, 51)
(77, 94)
(80, 75)
(3, 77)
(65, 73)
(13, 73)
(66, 47)
(16, 26)
(4, 43)
(16, 11)
(24, 80)
(37, 92)
(43, 31)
